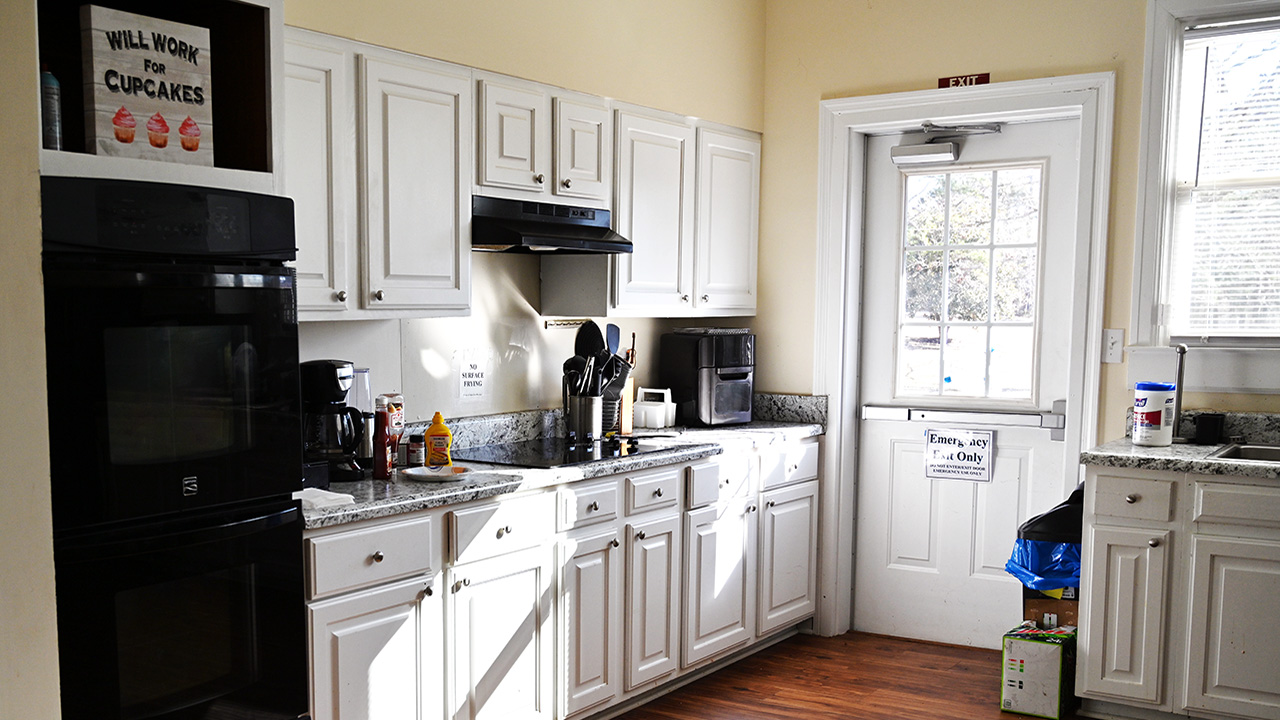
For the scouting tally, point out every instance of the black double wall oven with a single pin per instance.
(172, 354)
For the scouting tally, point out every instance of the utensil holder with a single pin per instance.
(611, 416)
(583, 421)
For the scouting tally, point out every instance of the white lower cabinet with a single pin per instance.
(1180, 578)
(591, 618)
(653, 599)
(788, 563)
(720, 578)
(558, 603)
(370, 650)
(501, 632)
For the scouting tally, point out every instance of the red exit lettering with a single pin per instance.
(964, 80)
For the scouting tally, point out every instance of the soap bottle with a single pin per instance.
(50, 109)
(439, 439)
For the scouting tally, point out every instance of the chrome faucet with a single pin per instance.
(1181, 348)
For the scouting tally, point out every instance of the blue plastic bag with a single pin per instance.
(1042, 565)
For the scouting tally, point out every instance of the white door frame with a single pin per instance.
(844, 125)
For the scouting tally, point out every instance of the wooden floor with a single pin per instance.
(851, 677)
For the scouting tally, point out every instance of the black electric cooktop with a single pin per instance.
(553, 452)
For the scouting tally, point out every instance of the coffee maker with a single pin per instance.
(331, 431)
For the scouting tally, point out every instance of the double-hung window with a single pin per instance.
(1207, 266)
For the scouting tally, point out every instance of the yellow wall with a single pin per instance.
(695, 57)
(821, 49)
(28, 632)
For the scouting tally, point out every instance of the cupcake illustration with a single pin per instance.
(124, 125)
(158, 131)
(189, 134)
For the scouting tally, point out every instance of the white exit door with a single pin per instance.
(974, 289)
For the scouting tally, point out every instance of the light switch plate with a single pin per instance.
(1113, 345)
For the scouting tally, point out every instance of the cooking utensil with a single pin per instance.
(612, 336)
(613, 387)
(631, 354)
(588, 341)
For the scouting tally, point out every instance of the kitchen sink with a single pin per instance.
(1259, 453)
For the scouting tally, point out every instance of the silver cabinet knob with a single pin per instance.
(684, 298)
(771, 503)
(377, 556)
(593, 506)
(428, 591)
(751, 508)
(1154, 542)
(1132, 498)
(457, 586)
(657, 493)
(341, 296)
(614, 542)
(566, 182)
(705, 298)
(640, 535)
(502, 531)
(378, 295)
(539, 178)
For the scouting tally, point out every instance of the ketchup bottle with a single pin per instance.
(382, 457)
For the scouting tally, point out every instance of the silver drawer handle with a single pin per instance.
(771, 503)
(593, 506)
(567, 182)
(378, 295)
(377, 556)
(342, 296)
(428, 591)
(640, 535)
(1132, 498)
(457, 586)
(657, 493)
(504, 531)
(614, 542)
(751, 509)
(1154, 542)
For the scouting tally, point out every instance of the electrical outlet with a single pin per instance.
(1113, 345)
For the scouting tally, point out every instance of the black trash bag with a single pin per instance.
(1046, 555)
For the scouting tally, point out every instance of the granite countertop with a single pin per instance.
(1176, 458)
(382, 498)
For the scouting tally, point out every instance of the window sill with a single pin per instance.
(1220, 370)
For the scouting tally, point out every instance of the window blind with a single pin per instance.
(1224, 273)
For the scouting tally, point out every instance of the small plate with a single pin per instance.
(443, 473)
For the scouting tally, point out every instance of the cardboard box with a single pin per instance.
(1038, 669)
(1048, 612)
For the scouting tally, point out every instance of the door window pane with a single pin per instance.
(970, 283)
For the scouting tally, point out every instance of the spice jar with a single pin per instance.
(417, 451)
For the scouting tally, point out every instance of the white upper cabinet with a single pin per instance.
(379, 172)
(728, 211)
(688, 199)
(655, 212)
(320, 170)
(539, 142)
(416, 139)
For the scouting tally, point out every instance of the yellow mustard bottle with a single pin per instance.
(439, 440)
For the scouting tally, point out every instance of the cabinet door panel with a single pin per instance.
(515, 148)
(319, 171)
(376, 655)
(502, 635)
(591, 618)
(653, 600)
(583, 149)
(655, 212)
(417, 145)
(788, 556)
(720, 578)
(1234, 644)
(1123, 635)
(728, 220)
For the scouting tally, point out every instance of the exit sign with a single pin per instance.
(964, 80)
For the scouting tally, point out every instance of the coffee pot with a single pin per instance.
(331, 431)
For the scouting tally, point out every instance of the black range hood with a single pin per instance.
(522, 226)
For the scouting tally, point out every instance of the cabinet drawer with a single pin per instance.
(790, 464)
(1133, 498)
(354, 558)
(720, 478)
(1237, 504)
(587, 503)
(494, 528)
(652, 490)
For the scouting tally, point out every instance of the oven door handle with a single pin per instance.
(171, 535)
